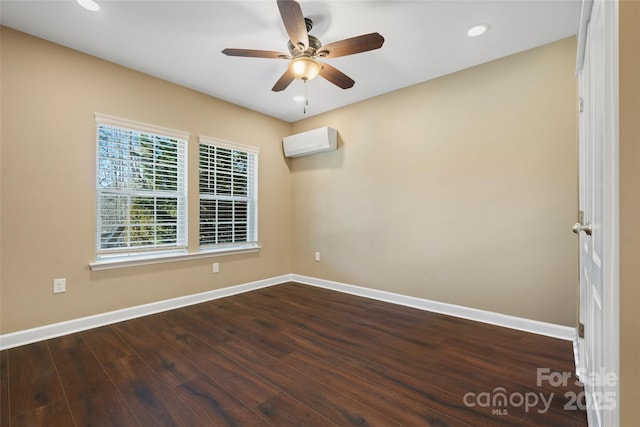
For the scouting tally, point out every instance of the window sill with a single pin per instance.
(133, 261)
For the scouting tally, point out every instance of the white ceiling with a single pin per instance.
(181, 41)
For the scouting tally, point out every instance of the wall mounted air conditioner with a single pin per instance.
(310, 142)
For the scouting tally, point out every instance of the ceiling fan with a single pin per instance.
(304, 49)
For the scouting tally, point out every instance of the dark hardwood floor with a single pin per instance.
(291, 355)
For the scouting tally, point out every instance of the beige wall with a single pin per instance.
(49, 95)
(629, 212)
(462, 189)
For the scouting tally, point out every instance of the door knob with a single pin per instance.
(578, 227)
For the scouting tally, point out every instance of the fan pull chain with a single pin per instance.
(306, 97)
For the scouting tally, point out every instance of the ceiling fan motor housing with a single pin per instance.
(314, 45)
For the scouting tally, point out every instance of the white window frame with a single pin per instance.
(108, 258)
(251, 198)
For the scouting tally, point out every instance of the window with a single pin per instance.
(141, 189)
(228, 194)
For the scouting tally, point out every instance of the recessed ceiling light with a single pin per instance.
(89, 5)
(477, 30)
(298, 98)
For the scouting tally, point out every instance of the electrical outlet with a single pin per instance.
(317, 256)
(216, 267)
(59, 286)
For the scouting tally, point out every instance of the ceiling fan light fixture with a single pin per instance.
(304, 68)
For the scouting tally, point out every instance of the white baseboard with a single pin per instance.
(41, 333)
(54, 330)
(541, 328)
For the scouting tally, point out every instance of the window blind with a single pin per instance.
(228, 194)
(141, 188)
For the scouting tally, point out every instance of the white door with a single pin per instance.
(598, 221)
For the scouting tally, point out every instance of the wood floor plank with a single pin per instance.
(453, 372)
(407, 386)
(208, 399)
(195, 326)
(151, 401)
(522, 359)
(106, 344)
(248, 331)
(54, 414)
(170, 365)
(425, 381)
(378, 339)
(93, 398)
(5, 408)
(404, 411)
(34, 381)
(215, 406)
(286, 411)
(101, 407)
(288, 355)
(78, 367)
(329, 401)
(348, 340)
(261, 396)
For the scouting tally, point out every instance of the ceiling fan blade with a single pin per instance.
(252, 53)
(293, 21)
(363, 43)
(336, 76)
(283, 82)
